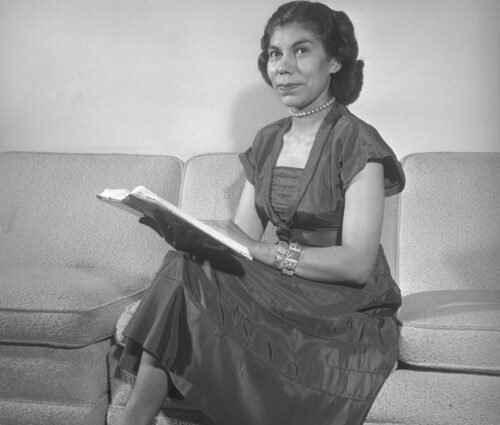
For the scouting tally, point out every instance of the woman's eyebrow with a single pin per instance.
(303, 41)
(297, 43)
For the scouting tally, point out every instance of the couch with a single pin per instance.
(71, 268)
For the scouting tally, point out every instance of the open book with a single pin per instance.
(142, 202)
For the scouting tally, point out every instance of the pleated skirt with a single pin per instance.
(254, 347)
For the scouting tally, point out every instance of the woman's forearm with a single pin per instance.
(335, 264)
(347, 263)
(330, 264)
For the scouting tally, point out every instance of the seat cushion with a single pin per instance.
(456, 329)
(50, 375)
(57, 386)
(448, 261)
(26, 412)
(420, 397)
(65, 307)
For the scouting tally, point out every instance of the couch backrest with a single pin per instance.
(448, 236)
(442, 231)
(212, 187)
(49, 214)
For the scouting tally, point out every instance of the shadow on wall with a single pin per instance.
(253, 109)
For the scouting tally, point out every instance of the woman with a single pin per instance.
(306, 333)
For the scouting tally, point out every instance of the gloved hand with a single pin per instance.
(181, 237)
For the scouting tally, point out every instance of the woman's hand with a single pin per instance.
(230, 229)
(180, 236)
(184, 238)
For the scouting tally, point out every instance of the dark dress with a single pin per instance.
(254, 347)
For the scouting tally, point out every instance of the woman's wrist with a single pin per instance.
(289, 262)
(286, 257)
(280, 254)
(263, 252)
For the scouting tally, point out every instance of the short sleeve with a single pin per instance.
(247, 159)
(363, 144)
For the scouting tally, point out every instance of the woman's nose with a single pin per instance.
(286, 64)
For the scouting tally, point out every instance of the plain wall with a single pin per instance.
(180, 77)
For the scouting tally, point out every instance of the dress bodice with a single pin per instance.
(283, 185)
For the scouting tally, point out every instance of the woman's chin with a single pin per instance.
(292, 104)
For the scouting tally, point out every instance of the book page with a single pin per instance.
(141, 201)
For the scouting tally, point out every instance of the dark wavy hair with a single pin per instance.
(336, 32)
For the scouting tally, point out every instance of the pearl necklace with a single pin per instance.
(312, 111)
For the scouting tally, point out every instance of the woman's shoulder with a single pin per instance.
(352, 124)
(273, 128)
(359, 142)
(266, 136)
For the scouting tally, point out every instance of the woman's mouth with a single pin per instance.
(285, 87)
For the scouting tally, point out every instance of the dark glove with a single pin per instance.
(151, 222)
(181, 237)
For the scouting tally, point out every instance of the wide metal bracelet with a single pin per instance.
(281, 251)
(292, 257)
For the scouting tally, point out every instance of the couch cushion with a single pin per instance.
(49, 214)
(455, 329)
(27, 413)
(219, 178)
(212, 186)
(42, 385)
(68, 307)
(448, 261)
(412, 397)
(49, 375)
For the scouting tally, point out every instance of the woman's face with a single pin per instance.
(299, 68)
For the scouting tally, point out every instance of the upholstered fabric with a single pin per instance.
(49, 214)
(219, 177)
(69, 265)
(122, 322)
(43, 385)
(65, 307)
(454, 329)
(419, 397)
(44, 374)
(448, 261)
(444, 255)
(389, 233)
(35, 413)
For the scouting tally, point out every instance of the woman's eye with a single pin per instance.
(274, 54)
(301, 50)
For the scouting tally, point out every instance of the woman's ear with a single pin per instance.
(334, 66)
